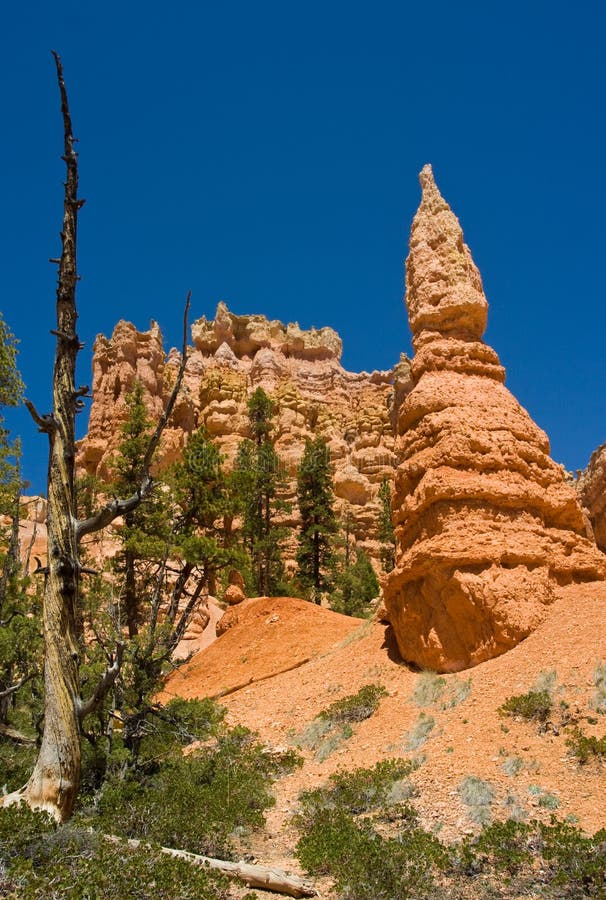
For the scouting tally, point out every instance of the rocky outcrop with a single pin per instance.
(591, 486)
(486, 524)
(232, 356)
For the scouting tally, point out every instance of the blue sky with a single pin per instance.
(267, 154)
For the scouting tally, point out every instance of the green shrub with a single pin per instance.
(505, 846)
(357, 707)
(534, 706)
(331, 727)
(586, 747)
(431, 689)
(576, 862)
(512, 765)
(200, 803)
(43, 861)
(364, 864)
(361, 790)
(545, 799)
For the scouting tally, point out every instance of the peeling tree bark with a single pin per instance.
(54, 783)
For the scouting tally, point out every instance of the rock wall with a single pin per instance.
(232, 356)
(591, 486)
(485, 523)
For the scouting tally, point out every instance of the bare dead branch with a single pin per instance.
(45, 423)
(14, 735)
(40, 569)
(105, 683)
(15, 687)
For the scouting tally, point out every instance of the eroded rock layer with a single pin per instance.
(232, 356)
(486, 524)
(591, 486)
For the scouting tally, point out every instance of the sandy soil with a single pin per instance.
(285, 660)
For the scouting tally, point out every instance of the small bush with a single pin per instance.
(599, 680)
(576, 862)
(42, 861)
(420, 732)
(512, 765)
(505, 846)
(586, 747)
(478, 795)
(199, 803)
(533, 706)
(357, 707)
(364, 864)
(428, 689)
(332, 726)
(545, 799)
(361, 790)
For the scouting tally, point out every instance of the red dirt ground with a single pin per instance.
(285, 660)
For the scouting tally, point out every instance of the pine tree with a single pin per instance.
(318, 523)
(387, 534)
(257, 481)
(357, 585)
(146, 529)
(20, 639)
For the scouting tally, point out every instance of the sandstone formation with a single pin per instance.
(486, 525)
(232, 356)
(591, 486)
(234, 592)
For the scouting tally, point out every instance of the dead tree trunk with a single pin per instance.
(54, 783)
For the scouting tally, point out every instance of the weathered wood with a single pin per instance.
(263, 877)
(54, 783)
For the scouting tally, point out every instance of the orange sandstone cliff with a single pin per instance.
(486, 524)
(233, 355)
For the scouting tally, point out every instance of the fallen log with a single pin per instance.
(255, 876)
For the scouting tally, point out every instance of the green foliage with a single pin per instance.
(372, 847)
(504, 846)
(387, 535)
(535, 706)
(200, 802)
(362, 790)
(43, 861)
(20, 638)
(318, 523)
(364, 864)
(586, 747)
(435, 690)
(356, 707)
(11, 386)
(576, 862)
(357, 585)
(257, 483)
(332, 726)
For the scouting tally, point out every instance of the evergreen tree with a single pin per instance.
(20, 639)
(318, 523)
(387, 534)
(357, 585)
(146, 528)
(257, 481)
